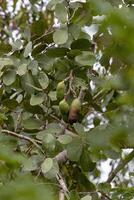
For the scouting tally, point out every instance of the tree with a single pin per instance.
(66, 99)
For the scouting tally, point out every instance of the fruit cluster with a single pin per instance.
(70, 113)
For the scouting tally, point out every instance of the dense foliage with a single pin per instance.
(66, 99)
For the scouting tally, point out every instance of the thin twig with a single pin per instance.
(70, 90)
(49, 31)
(98, 94)
(105, 195)
(23, 137)
(81, 94)
(120, 166)
(63, 186)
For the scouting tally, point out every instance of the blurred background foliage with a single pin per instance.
(89, 44)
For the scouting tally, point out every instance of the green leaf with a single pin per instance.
(49, 141)
(17, 45)
(22, 69)
(4, 48)
(99, 137)
(23, 187)
(5, 62)
(65, 139)
(87, 197)
(38, 49)
(34, 87)
(52, 3)
(52, 95)
(28, 49)
(60, 36)
(80, 82)
(40, 135)
(61, 13)
(43, 80)
(9, 157)
(50, 168)
(82, 16)
(26, 82)
(37, 99)
(87, 58)
(74, 30)
(79, 129)
(32, 163)
(74, 150)
(85, 161)
(19, 98)
(33, 66)
(104, 187)
(57, 52)
(10, 103)
(110, 153)
(31, 123)
(45, 62)
(47, 165)
(74, 195)
(9, 77)
(53, 128)
(81, 44)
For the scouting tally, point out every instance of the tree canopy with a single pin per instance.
(66, 99)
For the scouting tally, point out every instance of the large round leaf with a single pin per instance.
(50, 168)
(57, 52)
(61, 12)
(31, 123)
(22, 69)
(60, 36)
(81, 44)
(65, 139)
(27, 83)
(74, 150)
(43, 80)
(47, 165)
(37, 99)
(86, 58)
(9, 77)
(31, 163)
(49, 141)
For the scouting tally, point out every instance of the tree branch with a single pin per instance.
(120, 166)
(61, 195)
(23, 137)
(70, 89)
(81, 94)
(64, 191)
(61, 157)
(104, 195)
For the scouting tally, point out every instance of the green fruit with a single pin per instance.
(60, 90)
(76, 105)
(64, 107)
(74, 111)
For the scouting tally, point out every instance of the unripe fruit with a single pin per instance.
(60, 90)
(74, 111)
(76, 105)
(64, 107)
